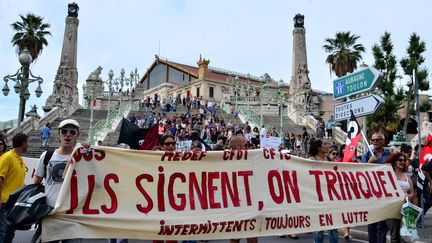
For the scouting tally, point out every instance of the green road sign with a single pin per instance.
(355, 83)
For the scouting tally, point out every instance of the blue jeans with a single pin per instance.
(318, 236)
(377, 232)
(7, 232)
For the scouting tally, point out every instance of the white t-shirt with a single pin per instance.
(53, 176)
(263, 132)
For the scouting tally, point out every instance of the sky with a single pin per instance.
(247, 36)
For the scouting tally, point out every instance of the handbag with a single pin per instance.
(410, 214)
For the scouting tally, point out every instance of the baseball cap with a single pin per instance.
(68, 122)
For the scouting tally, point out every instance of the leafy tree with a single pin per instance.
(412, 62)
(425, 107)
(344, 53)
(30, 33)
(386, 119)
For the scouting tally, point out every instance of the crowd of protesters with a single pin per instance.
(200, 119)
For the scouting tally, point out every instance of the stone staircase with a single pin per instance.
(81, 115)
(288, 125)
(112, 137)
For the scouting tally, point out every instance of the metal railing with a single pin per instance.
(250, 116)
(244, 98)
(105, 126)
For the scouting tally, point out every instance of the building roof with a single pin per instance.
(213, 73)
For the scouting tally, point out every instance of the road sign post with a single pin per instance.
(356, 83)
(361, 107)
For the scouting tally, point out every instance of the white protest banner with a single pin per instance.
(183, 146)
(31, 164)
(115, 193)
(271, 143)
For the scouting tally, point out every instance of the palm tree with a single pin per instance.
(345, 53)
(30, 34)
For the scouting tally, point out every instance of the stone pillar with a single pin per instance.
(65, 85)
(300, 86)
(300, 72)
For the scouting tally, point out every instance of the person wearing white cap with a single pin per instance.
(51, 168)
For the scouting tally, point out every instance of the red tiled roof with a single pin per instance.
(193, 71)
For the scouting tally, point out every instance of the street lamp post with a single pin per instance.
(248, 89)
(281, 96)
(263, 86)
(121, 82)
(109, 82)
(236, 85)
(131, 81)
(134, 77)
(90, 96)
(22, 78)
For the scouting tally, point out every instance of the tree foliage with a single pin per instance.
(344, 53)
(30, 33)
(412, 62)
(386, 119)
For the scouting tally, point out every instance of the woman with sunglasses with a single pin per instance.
(333, 153)
(167, 143)
(3, 147)
(398, 161)
(340, 155)
(318, 150)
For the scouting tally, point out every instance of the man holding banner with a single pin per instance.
(238, 142)
(377, 231)
(52, 169)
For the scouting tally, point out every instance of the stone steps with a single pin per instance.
(80, 115)
(112, 137)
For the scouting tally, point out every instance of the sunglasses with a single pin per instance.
(334, 153)
(376, 140)
(70, 131)
(401, 160)
(169, 143)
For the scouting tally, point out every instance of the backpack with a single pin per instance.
(27, 206)
(47, 158)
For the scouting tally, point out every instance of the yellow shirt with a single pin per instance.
(13, 170)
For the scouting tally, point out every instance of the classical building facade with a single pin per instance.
(177, 80)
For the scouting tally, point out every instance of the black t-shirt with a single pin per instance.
(305, 136)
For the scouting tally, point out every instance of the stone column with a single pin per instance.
(66, 80)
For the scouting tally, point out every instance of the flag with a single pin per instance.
(151, 138)
(190, 94)
(425, 156)
(94, 102)
(353, 137)
(131, 134)
(195, 137)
